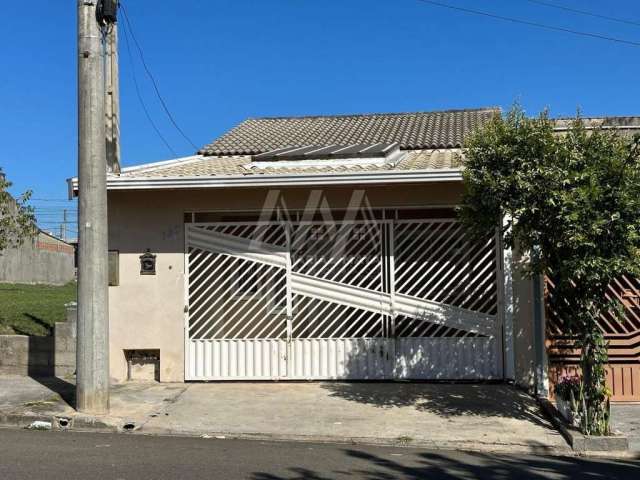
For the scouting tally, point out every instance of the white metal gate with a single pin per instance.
(411, 299)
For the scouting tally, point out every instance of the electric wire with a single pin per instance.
(139, 95)
(584, 12)
(530, 23)
(153, 80)
(57, 200)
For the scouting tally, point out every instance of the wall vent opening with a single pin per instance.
(143, 365)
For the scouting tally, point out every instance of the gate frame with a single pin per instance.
(505, 348)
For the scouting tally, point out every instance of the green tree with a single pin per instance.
(571, 200)
(17, 220)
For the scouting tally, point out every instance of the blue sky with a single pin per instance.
(218, 62)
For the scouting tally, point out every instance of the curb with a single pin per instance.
(81, 423)
(579, 442)
(78, 423)
(371, 441)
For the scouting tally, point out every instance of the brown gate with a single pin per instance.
(623, 371)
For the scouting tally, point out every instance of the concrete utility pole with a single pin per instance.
(112, 100)
(92, 387)
(63, 225)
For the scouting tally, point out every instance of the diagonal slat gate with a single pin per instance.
(350, 300)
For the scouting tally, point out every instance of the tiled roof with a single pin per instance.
(200, 165)
(419, 130)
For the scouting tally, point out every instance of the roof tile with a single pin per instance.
(198, 166)
(418, 130)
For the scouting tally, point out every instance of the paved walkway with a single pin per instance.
(626, 418)
(474, 417)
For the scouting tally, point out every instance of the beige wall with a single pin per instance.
(147, 311)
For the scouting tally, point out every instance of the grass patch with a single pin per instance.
(43, 403)
(33, 309)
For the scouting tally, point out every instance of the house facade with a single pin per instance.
(316, 248)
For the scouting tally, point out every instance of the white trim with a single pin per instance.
(392, 159)
(185, 309)
(311, 163)
(410, 206)
(297, 179)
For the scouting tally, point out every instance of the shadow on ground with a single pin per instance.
(446, 400)
(46, 327)
(444, 466)
(65, 390)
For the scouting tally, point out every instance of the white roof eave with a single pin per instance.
(130, 182)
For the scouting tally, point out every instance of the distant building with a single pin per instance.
(42, 259)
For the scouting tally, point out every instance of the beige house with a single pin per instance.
(314, 248)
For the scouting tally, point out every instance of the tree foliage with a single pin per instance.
(571, 199)
(17, 220)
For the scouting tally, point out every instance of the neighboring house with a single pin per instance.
(623, 371)
(41, 259)
(318, 247)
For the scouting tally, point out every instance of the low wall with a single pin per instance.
(38, 261)
(24, 355)
(41, 356)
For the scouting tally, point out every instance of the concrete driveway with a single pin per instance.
(487, 417)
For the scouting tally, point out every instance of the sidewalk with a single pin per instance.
(495, 418)
(626, 418)
(25, 399)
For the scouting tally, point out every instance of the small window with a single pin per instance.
(114, 268)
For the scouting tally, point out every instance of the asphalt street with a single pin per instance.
(71, 455)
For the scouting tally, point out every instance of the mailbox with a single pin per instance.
(147, 263)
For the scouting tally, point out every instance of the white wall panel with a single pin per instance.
(262, 359)
(469, 358)
(341, 359)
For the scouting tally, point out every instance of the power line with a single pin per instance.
(70, 208)
(139, 95)
(65, 200)
(153, 80)
(69, 220)
(531, 24)
(55, 210)
(584, 12)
